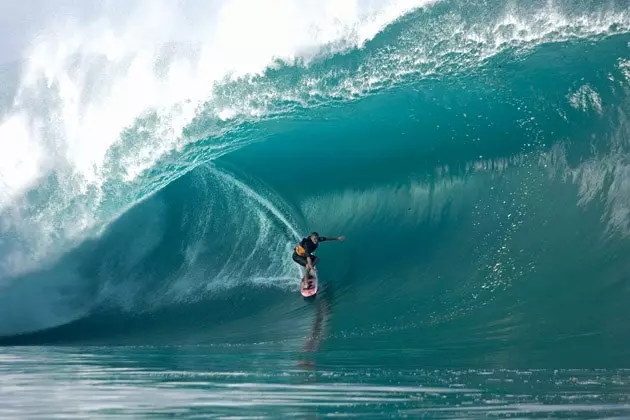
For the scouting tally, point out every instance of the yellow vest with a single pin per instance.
(299, 249)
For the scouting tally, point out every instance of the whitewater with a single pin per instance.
(159, 161)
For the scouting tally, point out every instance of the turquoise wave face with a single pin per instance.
(474, 155)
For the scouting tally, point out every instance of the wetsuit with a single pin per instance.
(306, 247)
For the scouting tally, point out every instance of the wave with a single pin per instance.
(469, 160)
(102, 108)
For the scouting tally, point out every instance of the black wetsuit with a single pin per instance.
(309, 247)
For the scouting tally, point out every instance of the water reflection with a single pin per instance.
(316, 334)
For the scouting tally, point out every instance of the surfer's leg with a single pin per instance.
(300, 260)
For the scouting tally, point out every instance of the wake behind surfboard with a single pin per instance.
(310, 288)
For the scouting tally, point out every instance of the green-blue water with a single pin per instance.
(475, 156)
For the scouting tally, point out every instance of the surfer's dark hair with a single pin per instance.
(315, 234)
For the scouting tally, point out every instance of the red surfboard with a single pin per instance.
(310, 289)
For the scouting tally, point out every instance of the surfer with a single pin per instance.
(303, 254)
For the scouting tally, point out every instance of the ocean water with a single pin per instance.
(159, 162)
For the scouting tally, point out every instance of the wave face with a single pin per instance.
(475, 155)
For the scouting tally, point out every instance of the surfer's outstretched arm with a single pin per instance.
(333, 238)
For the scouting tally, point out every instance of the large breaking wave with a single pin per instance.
(475, 155)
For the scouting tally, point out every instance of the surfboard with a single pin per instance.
(313, 283)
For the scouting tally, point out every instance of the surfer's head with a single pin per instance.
(315, 237)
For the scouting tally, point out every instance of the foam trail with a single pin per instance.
(280, 215)
(256, 197)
